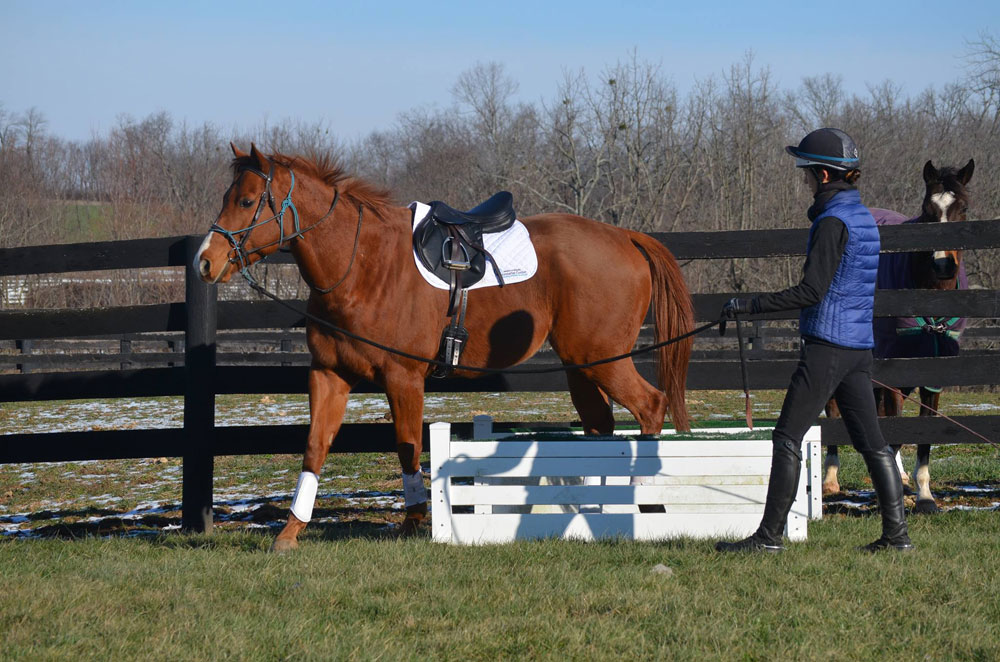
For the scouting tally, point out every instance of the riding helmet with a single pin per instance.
(831, 148)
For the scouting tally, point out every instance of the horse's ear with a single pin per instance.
(259, 158)
(930, 173)
(237, 152)
(965, 174)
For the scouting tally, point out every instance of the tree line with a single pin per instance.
(625, 147)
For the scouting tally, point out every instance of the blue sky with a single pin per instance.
(357, 65)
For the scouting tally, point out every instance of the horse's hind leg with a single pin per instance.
(591, 403)
(623, 383)
(921, 472)
(328, 393)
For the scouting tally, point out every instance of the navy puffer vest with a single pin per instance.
(844, 315)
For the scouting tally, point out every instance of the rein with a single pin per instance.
(486, 371)
(746, 391)
(577, 366)
(937, 413)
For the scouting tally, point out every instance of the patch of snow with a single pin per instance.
(847, 503)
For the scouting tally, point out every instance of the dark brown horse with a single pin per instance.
(945, 201)
(589, 297)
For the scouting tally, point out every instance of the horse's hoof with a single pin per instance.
(284, 545)
(926, 507)
(830, 489)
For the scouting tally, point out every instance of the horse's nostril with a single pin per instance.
(205, 266)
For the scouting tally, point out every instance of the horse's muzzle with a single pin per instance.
(205, 271)
(945, 267)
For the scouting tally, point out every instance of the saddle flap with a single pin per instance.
(429, 244)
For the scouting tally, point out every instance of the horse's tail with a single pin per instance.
(674, 316)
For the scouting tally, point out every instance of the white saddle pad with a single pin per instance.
(512, 249)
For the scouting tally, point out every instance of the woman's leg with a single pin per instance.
(813, 382)
(856, 400)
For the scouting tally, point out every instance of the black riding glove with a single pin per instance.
(737, 306)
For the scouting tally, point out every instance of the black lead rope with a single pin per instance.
(743, 372)
(486, 371)
(743, 366)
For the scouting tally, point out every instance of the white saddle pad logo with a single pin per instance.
(512, 249)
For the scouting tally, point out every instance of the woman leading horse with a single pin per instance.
(589, 297)
(836, 297)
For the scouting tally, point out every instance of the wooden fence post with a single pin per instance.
(125, 349)
(199, 397)
(25, 346)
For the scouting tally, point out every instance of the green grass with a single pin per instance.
(364, 597)
(99, 584)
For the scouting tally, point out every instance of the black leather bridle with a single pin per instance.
(237, 239)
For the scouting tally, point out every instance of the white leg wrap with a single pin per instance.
(922, 476)
(305, 496)
(899, 463)
(414, 491)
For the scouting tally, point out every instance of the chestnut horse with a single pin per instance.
(588, 298)
(945, 200)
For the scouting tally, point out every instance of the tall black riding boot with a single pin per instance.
(786, 461)
(889, 490)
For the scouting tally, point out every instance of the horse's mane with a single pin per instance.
(327, 169)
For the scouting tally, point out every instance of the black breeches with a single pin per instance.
(825, 371)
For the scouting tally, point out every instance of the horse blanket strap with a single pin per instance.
(453, 340)
(938, 325)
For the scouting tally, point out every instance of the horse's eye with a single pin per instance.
(246, 203)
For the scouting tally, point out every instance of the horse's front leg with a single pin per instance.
(890, 403)
(921, 471)
(406, 400)
(328, 393)
(831, 468)
(831, 465)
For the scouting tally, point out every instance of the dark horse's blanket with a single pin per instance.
(909, 337)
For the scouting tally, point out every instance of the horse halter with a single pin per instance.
(238, 238)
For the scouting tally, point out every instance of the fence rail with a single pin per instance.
(203, 373)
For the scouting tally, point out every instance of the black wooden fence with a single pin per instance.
(201, 376)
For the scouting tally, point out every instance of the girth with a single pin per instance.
(449, 243)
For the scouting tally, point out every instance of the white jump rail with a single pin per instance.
(709, 488)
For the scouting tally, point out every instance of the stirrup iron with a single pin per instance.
(456, 264)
